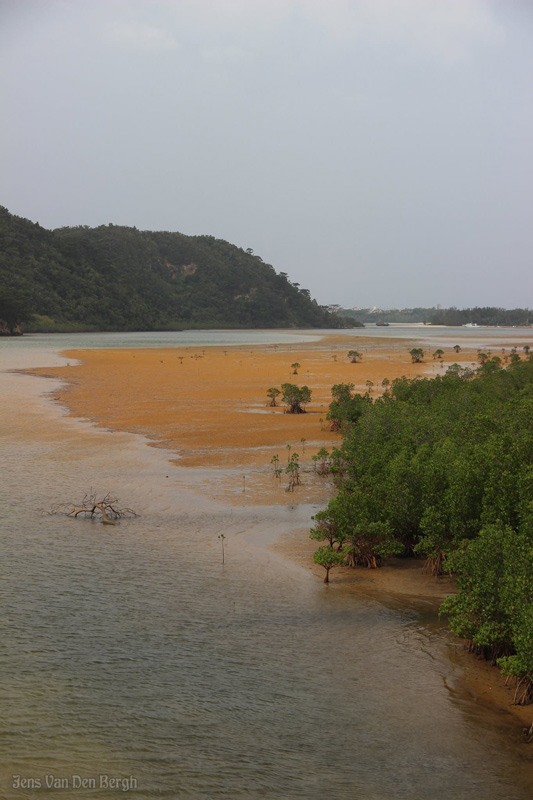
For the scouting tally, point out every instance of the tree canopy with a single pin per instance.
(295, 398)
(118, 278)
(15, 308)
(442, 468)
(486, 315)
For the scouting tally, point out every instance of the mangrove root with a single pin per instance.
(523, 695)
(528, 734)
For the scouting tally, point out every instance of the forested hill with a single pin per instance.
(118, 278)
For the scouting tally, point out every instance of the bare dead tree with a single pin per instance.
(94, 506)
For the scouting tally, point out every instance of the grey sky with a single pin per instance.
(378, 151)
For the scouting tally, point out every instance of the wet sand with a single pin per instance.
(209, 407)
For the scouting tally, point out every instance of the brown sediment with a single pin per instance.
(399, 577)
(484, 683)
(209, 407)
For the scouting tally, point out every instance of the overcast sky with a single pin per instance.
(378, 151)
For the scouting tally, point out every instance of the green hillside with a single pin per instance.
(118, 278)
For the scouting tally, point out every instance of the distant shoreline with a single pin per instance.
(364, 326)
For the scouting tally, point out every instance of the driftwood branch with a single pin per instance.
(94, 506)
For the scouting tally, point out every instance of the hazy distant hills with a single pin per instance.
(486, 315)
(118, 278)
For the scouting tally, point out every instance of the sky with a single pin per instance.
(380, 152)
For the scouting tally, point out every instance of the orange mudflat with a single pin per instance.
(209, 405)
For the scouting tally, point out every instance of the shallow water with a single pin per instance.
(426, 334)
(68, 341)
(132, 651)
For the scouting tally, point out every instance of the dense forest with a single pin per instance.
(442, 469)
(371, 315)
(488, 315)
(119, 278)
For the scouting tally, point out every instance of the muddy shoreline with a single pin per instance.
(209, 407)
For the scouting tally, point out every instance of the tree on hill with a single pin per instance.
(15, 308)
(118, 278)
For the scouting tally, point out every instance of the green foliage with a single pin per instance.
(15, 308)
(494, 607)
(293, 471)
(326, 529)
(368, 540)
(277, 470)
(328, 558)
(272, 394)
(295, 398)
(373, 316)
(322, 462)
(342, 392)
(118, 278)
(417, 354)
(443, 468)
(488, 315)
(346, 408)
(354, 356)
(434, 541)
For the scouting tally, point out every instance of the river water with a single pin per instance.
(132, 652)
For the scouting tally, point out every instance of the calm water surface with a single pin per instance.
(131, 651)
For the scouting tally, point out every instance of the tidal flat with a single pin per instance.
(133, 651)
